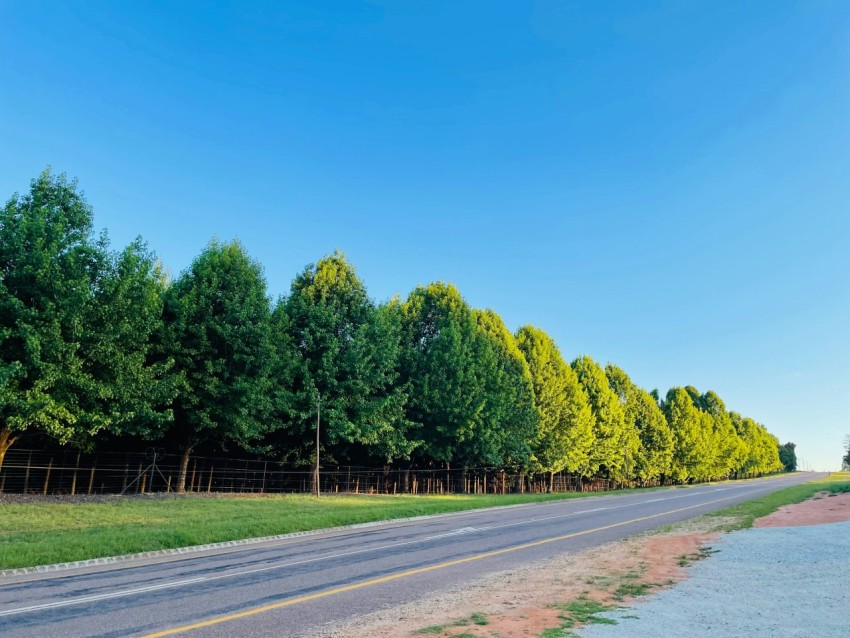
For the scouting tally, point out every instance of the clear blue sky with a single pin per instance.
(663, 185)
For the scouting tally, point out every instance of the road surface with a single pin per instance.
(292, 587)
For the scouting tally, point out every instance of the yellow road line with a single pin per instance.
(413, 572)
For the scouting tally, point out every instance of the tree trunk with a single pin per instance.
(6, 441)
(184, 467)
(551, 482)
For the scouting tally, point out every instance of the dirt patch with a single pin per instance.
(525, 602)
(823, 508)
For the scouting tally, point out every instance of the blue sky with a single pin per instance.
(663, 185)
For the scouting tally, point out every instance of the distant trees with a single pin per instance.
(95, 342)
(788, 457)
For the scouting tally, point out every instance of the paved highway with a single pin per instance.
(289, 588)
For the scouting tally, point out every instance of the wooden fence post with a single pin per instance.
(27, 474)
(47, 477)
(74, 476)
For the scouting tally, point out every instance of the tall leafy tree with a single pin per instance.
(729, 448)
(508, 421)
(689, 444)
(218, 332)
(442, 369)
(349, 350)
(50, 265)
(653, 456)
(614, 443)
(565, 432)
(75, 322)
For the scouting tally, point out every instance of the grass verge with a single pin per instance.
(744, 514)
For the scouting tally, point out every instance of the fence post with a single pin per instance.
(47, 477)
(27, 474)
(209, 483)
(91, 477)
(74, 476)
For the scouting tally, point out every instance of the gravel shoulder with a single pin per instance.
(784, 582)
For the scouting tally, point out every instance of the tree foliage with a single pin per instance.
(654, 454)
(442, 368)
(614, 443)
(509, 411)
(788, 457)
(76, 322)
(218, 333)
(564, 436)
(348, 352)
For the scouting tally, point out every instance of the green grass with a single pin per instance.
(475, 619)
(746, 513)
(581, 611)
(479, 619)
(51, 532)
(632, 590)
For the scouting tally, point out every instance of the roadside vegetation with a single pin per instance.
(744, 514)
(103, 349)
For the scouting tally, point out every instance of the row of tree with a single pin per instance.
(97, 345)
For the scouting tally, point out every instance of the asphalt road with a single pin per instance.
(289, 588)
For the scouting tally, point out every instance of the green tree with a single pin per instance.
(75, 322)
(349, 350)
(613, 442)
(218, 332)
(689, 444)
(845, 462)
(508, 421)
(762, 447)
(653, 456)
(788, 457)
(565, 432)
(729, 448)
(440, 366)
(136, 382)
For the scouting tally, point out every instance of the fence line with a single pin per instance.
(77, 473)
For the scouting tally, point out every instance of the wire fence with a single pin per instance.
(77, 473)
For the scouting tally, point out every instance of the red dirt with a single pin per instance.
(823, 508)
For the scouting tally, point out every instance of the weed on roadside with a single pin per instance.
(700, 554)
(475, 619)
(633, 590)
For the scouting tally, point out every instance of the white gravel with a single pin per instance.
(781, 582)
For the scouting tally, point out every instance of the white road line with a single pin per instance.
(96, 597)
